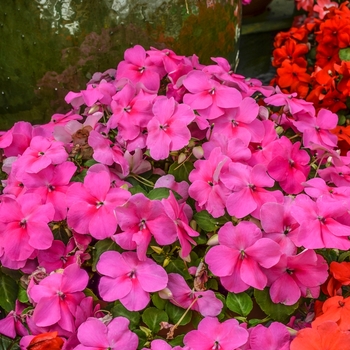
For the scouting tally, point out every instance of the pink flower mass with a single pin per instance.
(169, 204)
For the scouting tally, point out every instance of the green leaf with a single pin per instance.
(8, 292)
(255, 321)
(278, 312)
(181, 171)
(175, 313)
(208, 223)
(240, 303)
(142, 338)
(177, 341)
(343, 256)
(90, 163)
(178, 266)
(152, 317)
(132, 316)
(137, 189)
(89, 293)
(22, 295)
(158, 302)
(344, 54)
(101, 247)
(79, 177)
(159, 193)
(8, 344)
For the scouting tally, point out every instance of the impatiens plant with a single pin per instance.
(175, 206)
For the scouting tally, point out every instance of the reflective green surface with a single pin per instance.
(49, 47)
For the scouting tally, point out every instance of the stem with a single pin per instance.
(142, 180)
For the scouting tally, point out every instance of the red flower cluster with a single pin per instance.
(313, 60)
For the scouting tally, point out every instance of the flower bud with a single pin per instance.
(157, 249)
(193, 225)
(213, 240)
(198, 152)
(181, 158)
(166, 262)
(93, 109)
(165, 293)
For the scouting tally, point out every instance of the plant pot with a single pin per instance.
(50, 47)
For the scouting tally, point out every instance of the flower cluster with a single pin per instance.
(312, 60)
(174, 194)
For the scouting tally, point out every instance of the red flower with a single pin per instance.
(46, 341)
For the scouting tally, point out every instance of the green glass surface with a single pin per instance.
(49, 47)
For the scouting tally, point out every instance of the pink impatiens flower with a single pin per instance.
(297, 275)
(91, 205)
(128, 279)
(140, 219)
(115, 335)
(212, 334)
(167, 130)
(57, 296)
(241, 255)
(26, 226)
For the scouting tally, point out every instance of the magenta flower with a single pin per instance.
(59, 293)
(41, 153)
(241, 122)
(297, 275)
(26, 226)
(94, 334)
(241, 255)
(178, 213)
(167, 130)
(274, 337)
(140, 219)
(212, 334)
(207, 96)
(206, 185)
(182, 295)
(319, 227)
(132, 111)
(139, 68)
(91, 205)
(248, 186)
(128, 279)
(51, 184)
(12, 325)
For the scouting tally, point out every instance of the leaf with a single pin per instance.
(178, 266)
(278, 312)
(142, 338)
(22, 295)
(177, 341)
(240, 303)
(207, 222)
(344, 54)
(175, 313)
(152, 317)
(158, 302)
(137, 189)
(181, 171)
(101, 247)
(8, 292)
(132, 316)
(89, 293)
(8, 344)
(159, 193)
(80, 176)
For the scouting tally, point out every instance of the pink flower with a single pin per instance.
(241, 255)
(159, 344)
(91, 205)
(140, 219)
(182, 295)
(319, 227)
(297, 275)
(289, 165)
(274, 337)
(40, 154)
(26, 226)
(179, 216)
(167, 130)
(140, 69)
(59, 293)
(12, 325)
(212, 334)
(51, 184)
(128, 279)
(115, 335)
(248, 186)
(207, 96)
(206, 185)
